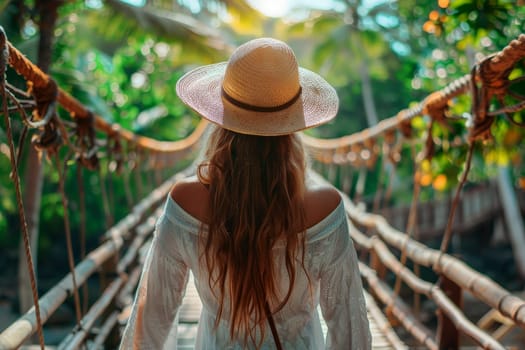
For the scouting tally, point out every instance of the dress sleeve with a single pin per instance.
(153, 320)
(341, 295)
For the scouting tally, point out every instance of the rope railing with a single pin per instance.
(16, 179)
(14, 336)
(24, 67)
(493, 72)
(483, 288)
(326, 149)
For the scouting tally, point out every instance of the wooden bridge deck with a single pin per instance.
(383, 336)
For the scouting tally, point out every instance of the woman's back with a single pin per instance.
(329, 276)
(192, 196)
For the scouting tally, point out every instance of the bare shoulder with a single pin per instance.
(185, 189)
(319, 203)
(192, 196)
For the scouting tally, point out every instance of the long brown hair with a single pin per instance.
(256, 188)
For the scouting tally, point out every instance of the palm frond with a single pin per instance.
(170, 26)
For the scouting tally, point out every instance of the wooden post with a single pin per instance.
(331, 174)
(377, 265)
(513, 218)
(447, 334)
(360, 185)
(158, 176)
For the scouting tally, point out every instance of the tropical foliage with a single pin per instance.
(123, 60)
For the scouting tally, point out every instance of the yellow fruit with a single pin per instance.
(425, 179)
(440, 183)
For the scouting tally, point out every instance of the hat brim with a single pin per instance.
(201, 90)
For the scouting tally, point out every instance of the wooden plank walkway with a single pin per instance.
(383, 336)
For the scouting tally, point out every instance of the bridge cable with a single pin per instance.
(82, 229)
(16, 179)
(126, 173)
(411, 224)
(380, 181)
(139, 184)
(67, 230)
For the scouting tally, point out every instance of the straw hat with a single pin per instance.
(261, 90)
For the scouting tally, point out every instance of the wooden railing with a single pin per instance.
(456, 278)
(133, 228)
(478, 206)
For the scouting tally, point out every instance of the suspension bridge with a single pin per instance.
(391, 256)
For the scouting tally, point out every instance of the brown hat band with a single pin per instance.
(260, 108)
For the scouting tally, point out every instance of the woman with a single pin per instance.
(265, 249)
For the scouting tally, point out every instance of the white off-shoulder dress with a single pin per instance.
(331, 263)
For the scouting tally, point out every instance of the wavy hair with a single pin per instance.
(256, 189)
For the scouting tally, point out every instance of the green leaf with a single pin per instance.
(323, 52)
(326, 24)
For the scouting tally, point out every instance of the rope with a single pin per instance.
(45, 99)
(400, 121)
(509, 109)
(21, 143)
(136, 172)
(39, 79)
(412, 218)
(360, 184)
(50, 139)
(151, 180)
(20, 92)
(20, 109)
(390, 151)
(430, 147)
(67, 228)
(85, 133)
(493, 75)
(127, 186)
(347, 177)
(82, 213)
(112, 166)
(514, 51)
(448, 229)
(46, 118)
(481, 124)
(105, 200)
(23, 105)
(436, 106)
(25, 68)
(380, 183)
(4, 54)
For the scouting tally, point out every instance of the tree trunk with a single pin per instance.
(33, 176)
(368, 96)
(366, 86)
